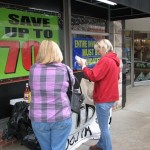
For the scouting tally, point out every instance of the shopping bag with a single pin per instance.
(90, 88)
(87, 90)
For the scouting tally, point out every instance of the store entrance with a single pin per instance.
(141, 58)
(136, 58)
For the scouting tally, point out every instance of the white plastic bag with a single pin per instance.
(87, 89)
(90, 88)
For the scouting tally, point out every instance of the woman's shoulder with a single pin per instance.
(65, 66)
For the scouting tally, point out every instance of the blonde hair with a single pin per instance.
(49, 52)
(104, 45)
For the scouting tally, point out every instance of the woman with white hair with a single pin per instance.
(50, 110)
(105, 76)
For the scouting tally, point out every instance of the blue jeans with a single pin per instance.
(52, 136)
(103, 113)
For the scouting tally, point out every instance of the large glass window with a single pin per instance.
(141, 57)
(85, 31)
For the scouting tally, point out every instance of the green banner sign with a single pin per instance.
(20, 35)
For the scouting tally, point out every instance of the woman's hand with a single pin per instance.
(81, 62)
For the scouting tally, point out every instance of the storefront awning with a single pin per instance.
(136, 8)
(125, 9)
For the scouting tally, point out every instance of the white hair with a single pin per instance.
(104, 45)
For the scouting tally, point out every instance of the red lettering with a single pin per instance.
(27, 48)
(12, 55)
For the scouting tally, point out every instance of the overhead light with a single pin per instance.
(107, 2)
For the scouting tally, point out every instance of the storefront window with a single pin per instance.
(86, 31)
(141, 57)
(85, 23)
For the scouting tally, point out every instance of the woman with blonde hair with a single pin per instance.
(105, 75)
(50, 111)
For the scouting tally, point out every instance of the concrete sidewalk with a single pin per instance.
(130, 127)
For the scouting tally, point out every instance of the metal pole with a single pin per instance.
(108, 23)
(132, 59)
(67, 32)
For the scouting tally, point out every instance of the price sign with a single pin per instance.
(20, 36)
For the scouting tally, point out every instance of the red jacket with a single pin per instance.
(105, 75)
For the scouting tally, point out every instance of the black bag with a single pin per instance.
(19, 122)
(76, 98)
(31, 142)
(19, 126)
